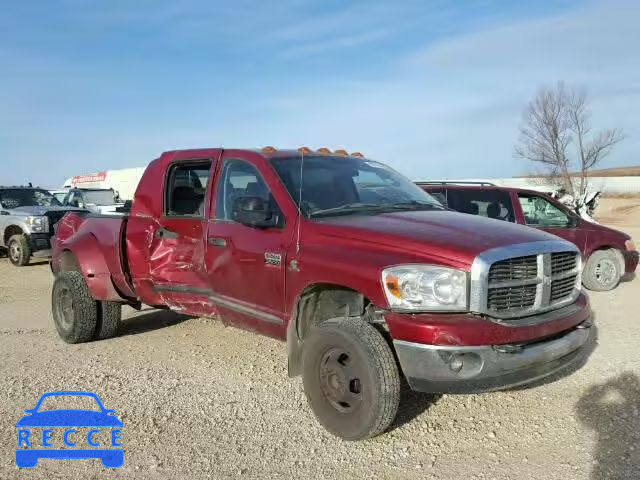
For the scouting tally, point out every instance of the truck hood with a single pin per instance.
(40, 211)
(452, 237)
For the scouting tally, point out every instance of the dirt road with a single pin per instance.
(199, 400)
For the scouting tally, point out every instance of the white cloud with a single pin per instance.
(452, 109)
(446, 109)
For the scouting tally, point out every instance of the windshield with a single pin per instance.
(27, 197)
(60, 196)
(346, 185)
(99, 197)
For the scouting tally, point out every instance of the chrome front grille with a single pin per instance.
(504, 299)
(53, 218)
(519, 268)
(562, 288)
(525, 279)
(562, 262)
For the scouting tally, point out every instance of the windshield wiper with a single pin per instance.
(413, 205)
(375, 207)
(347, 208)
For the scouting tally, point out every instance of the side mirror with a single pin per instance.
(3, 212)
(253, 212)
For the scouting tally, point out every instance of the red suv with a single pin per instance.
(608, 255)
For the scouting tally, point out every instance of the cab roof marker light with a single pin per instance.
(340, 152)
(269, 149)
(304, 150)
(357, 154)
(324, 151)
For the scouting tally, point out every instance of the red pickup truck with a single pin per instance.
(367, 278)
(608, 255)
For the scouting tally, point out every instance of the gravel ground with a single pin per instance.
(200, 400)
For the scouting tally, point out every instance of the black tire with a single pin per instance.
(109, 315)
(350, 378)
(602, 271)
(18, 250)
(75, 313)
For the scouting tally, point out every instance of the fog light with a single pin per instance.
(456, 363)
(465, 365)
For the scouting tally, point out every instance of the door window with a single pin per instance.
(186, 189)
(76, 200)
(494, 204)
(240, 179)
(540, 212)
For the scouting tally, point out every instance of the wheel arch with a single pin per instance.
(10, 231)
(86, 257)
(319, 302)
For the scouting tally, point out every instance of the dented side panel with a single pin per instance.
(168, 251)
(95, 244)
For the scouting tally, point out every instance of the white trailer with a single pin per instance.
(124, 181)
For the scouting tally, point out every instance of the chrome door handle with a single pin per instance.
(217, 242)
(164, 233)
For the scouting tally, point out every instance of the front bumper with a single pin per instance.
(40, 244)
(472, 369)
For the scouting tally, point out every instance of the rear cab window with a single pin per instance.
(186, 189)
(490, 203)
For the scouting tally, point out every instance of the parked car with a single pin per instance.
(97, 200)
(366, 276)
(608, 254)
(27, 218)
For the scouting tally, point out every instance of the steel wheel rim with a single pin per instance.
(64, 308)
(15, 251)
(605, 271)
(340, 380)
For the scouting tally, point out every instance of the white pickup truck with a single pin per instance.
(96, 200)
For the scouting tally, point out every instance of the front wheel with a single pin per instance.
(350, 378)
(602, 271)
(19, 250)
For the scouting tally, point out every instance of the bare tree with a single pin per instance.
(556, 134)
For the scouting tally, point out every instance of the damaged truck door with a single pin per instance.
(174, 249)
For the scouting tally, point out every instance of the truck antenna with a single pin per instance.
(301, 150)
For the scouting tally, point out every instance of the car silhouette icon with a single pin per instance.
(69, 419)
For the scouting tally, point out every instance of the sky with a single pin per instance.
(435, 89)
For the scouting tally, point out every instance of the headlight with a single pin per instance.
(35, 220)
(37, 224)
(630, 245)
(425, 287)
